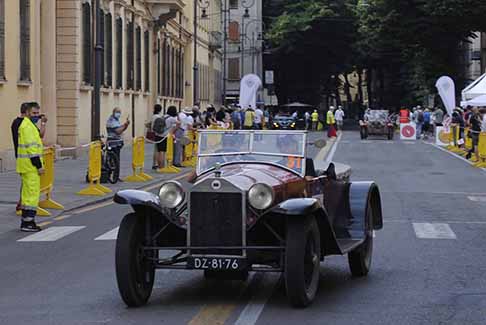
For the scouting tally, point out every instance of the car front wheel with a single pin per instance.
(302, 260)
(134, 273)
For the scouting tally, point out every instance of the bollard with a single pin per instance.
(138, 162)
(47, 184)
(482, 151)
(169, 168)
(94, 172)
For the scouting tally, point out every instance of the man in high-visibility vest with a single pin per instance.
(331, 122)
(30, 167)
(315, 120)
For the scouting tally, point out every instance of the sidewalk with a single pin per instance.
(70, 177)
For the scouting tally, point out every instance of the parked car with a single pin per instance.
(255, 203)
(377, 122)
(283, 122)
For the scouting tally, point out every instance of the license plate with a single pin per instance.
(215, 263)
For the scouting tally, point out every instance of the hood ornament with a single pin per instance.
(217, 170)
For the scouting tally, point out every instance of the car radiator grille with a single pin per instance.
(216, 220)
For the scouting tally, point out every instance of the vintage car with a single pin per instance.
(283, 122)
(255, 203)
(377, 122)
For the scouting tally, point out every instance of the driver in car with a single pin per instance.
(288, 144)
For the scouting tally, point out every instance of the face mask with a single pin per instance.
(35, 119)
(117, 115)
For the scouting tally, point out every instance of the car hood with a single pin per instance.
(246, 175)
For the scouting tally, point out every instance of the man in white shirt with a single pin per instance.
(339, 117)
(186, 124)
(258, 118)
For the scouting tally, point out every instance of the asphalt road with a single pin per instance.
(428, 267)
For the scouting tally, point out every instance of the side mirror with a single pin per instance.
(320, 143)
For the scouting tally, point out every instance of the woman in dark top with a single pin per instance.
(475, 122)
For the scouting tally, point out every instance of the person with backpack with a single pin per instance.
(419, 121)
(158, 127)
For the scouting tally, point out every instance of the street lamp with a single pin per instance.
(204, 5)
(247, 4)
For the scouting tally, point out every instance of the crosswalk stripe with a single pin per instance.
(433, 231)
(51, 234)
(110, 235)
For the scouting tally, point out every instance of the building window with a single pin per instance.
(233, 4)
(234, 31)
(138, 68)
(108, 51)
(147, 60)
(160, 73)
(2, 39)
(87, 44)
(233, 69)
(24, 40)
(119, 53)
(130, 55)
(102, 42)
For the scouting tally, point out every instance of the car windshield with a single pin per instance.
(286, 149)
(378, 115)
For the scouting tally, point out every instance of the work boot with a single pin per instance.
(29, 226)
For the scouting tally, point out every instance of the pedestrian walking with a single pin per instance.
(29, 150)
(339, 117)
(249, 119)
(427, 121)
(475, 121)
(158, 127)
(115, 130)
(315, 120)
(185, 125)
(307, 117)
(258, 120)
(236, 118)
(419, 121)
(266, 118)
(331, 122)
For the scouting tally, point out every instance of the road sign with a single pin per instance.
(408, 131)
(269, 80)
(442, 136)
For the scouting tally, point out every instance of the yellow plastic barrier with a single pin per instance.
(138, 162)
(94, 172)
(468, 144)
(169, 158)
(47, 184)
(482, 151)
(189, 153)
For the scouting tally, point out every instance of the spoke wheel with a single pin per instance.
(360, 258)
(302, 260)
(111, 164)
(134, 272)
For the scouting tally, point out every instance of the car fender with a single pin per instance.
(138, 199)
(362, 193)
(302, 207)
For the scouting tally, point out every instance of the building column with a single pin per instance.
(48, 67)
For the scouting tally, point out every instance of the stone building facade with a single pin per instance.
(47, 55)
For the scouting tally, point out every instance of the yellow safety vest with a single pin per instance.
(30, 146)
(330, 118)
(315, 117)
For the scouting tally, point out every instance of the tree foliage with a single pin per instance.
(405, 45)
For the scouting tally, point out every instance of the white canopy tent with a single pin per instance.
(479, 101)
(477, 88)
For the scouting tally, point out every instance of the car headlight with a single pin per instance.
(260, 196)
(171, 194)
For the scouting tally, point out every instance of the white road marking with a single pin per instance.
(110, 235)
(408, 141)
(477, 198)
(51, 234)
(330, 156)
(433, 231)
(252, 311)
